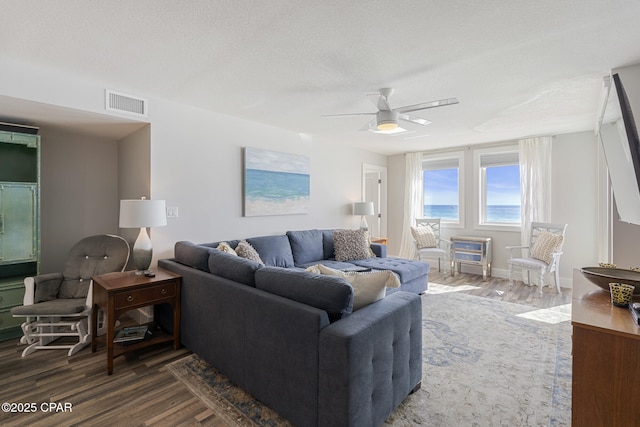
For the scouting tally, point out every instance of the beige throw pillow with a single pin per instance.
(245, 250)
(546, 243)
(425, 237)
(368, 287)
(225, 247)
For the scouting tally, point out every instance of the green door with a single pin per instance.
(18, 222)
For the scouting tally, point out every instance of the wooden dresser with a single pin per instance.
(606, 359)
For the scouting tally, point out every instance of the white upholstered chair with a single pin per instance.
(542, 256)
(440, 249)
(59, 305)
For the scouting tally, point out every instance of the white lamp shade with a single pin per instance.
(363, 208)
(142, 213)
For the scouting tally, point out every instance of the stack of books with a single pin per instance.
(134, 333)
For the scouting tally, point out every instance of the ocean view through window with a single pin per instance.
(441, 194)
(501, 186)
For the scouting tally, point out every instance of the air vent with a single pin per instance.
(122, 103)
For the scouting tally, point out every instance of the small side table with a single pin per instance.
(380, 240)
(117, 293)
(473, 250)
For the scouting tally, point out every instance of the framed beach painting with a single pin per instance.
(275, 183)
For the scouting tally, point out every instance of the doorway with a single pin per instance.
(374, 189)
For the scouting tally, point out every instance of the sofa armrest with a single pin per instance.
(379, 249)
(370, 361)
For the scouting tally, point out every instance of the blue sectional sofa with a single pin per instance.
(291, 338)
(305, 248)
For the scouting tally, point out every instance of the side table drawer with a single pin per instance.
(147, 295)
(466, 246)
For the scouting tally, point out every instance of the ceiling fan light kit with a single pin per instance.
(386, 120)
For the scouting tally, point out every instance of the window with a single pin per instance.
(443, 195)
(499, 187)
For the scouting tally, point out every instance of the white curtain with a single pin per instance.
(535, 183)
(413, 194)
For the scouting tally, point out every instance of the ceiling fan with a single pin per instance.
(387, 117)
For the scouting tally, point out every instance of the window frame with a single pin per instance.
(480, 195)
(457, 156)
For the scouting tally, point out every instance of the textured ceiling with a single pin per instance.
(519, 68)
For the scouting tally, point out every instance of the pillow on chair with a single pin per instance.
(546, 243)
(425, 237)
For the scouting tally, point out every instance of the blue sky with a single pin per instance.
(503, 186)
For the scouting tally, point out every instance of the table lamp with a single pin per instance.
(142, 213)
(363, 209)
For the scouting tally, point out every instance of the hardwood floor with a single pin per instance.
(141, 392)
(497, 288)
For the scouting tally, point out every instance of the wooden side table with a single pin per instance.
(117, 293)
(473, 250)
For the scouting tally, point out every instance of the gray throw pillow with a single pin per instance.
(351, 245)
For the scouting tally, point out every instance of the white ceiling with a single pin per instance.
(519, 68)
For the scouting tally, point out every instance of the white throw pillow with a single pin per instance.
(245, 250)
(368, 287)
(225, 247)
(546, 243)
(425, 237)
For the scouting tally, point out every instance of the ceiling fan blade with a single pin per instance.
(371, 125)
(347, 115)
(414, 119)
(426, 105)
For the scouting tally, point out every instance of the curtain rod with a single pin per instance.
(474, 146)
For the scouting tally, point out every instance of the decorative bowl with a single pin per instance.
(602, 276)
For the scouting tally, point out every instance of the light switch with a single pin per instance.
(172, 212)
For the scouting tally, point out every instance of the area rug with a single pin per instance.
(483, 365)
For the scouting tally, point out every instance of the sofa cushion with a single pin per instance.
(336, 265)
(351, 245)
(274, 251)
(332, 294)
(406, 269)
(306, 246)
(193, 255)
(233, 267)
(327, 244)
(368, 287)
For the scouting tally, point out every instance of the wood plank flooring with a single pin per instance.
(141, 392)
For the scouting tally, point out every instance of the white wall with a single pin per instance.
(194, 160)
(79, 192)
(573, 201)
(196, 164)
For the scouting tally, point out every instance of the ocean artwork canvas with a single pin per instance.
(275, 183)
